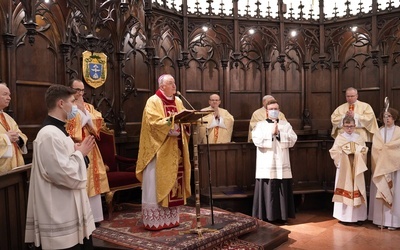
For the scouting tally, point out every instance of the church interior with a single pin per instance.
(303, 53)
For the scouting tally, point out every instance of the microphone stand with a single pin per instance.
(180, 95)
(209, 179)
(213, 225)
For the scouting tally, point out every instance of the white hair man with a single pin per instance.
(163, 164)
(12, 140)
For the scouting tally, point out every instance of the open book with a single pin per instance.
(186, 116)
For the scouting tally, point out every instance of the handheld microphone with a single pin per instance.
(180, 95)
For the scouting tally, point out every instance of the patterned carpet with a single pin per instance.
(126, 230)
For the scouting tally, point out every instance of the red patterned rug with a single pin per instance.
(126, 229)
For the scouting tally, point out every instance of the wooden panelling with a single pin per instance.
(31, 103)
(395, 76)
(13, 200)
(310, 71)
(322, 109)
(307, 167)
(242, 103)
(42, 62)
(246, 77)
(321, 79)
(233, 166)
(393, 98)
(369, 96)
(277, 78)
(199, 100)
(211, 78)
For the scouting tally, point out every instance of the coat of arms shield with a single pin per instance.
(94, 68)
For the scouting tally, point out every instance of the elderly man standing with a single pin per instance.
(261, 114)
(219, 123)
(12, 140)
(362, 113)
(163, 164)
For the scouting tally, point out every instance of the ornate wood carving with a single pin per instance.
(143, 39)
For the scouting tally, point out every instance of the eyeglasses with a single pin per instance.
(350, 126)
(79, 90)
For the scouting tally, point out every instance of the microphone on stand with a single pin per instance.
(180, 95)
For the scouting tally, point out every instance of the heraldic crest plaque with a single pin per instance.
(94, 68)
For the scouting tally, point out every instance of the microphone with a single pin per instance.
(180, 95)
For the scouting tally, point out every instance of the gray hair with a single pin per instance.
(266, 97)
(162, 78)
(352, 89)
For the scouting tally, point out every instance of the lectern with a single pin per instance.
(192, 117)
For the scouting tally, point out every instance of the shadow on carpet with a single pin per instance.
(126, 230)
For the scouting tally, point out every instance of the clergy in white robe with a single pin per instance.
(12, 140)
(349, 154)
(89, 121)
(218, 124)
(58, 212)
(273, 194)
(362, 113)
(384, 208)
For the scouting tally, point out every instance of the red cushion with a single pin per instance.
(131, 169)
(117, 179)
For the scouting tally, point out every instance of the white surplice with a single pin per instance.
(273, 160)
(58, 214)
(341, 211)
(379, 211)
